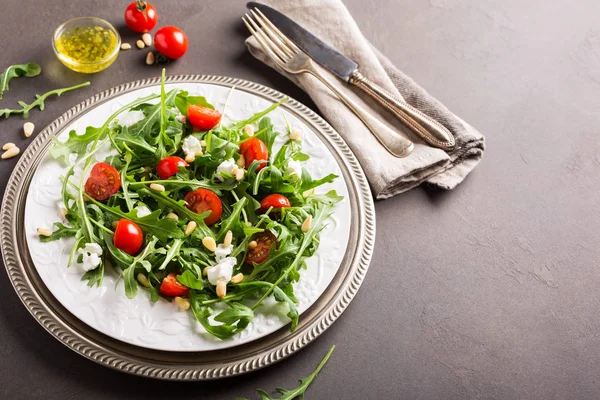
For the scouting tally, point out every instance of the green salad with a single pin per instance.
(191, 210)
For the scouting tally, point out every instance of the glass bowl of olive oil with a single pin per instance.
(86, 44)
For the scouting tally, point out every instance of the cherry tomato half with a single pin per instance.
(128, 237)
(201, 200)
(260, 253)
(171, 41)
(274, 200)
(170, 286)
(104, 181)
(141, 16)
(168, 166)
(203, 118)
(254, 149)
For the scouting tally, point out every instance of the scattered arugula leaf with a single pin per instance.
(14, 71)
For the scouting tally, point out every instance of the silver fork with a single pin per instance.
(292, 59)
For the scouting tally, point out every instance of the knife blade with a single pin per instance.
(327, 56)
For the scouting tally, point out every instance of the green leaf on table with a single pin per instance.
(14, 71)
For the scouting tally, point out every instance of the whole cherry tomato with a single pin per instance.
(128, 237)
(171, 41)
(254, 149)
(201, 200)
(170, 286)
(141, 16)
(103, 182)
(260, 253)
(203, 118)
(168, 166)
(274, 200)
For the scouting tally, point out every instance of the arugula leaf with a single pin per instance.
(311, 184)
(257, 116)
(171, 253)
(187, 278)
(183, 100)
(125, 182)
(270, 135)
(75, 143)
(62, 231)
(282, 297)
(135, 141)
(232, 220)
(235, 318)
(14, 71)
(94, 276)
(122, 259)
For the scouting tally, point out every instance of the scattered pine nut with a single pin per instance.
(44, 232)
(205, 271)
(143, 280)
(10, 153)
(28, 128)
(237, 278)
(190, 158)
(173, 216)
(147, 39)
(203, 143)
(8, 146)
(157, 186)
(228, 239)
(150, 58)
(115, 224)
(249, 130)
(190, 227)
(140, 44)
(239, 174)
(221, 288)
(308, 192)
(241, 162)
(209, 243)
(295, 134)
(307, 224)
(182, 303)
(252, 244)
(125, 46)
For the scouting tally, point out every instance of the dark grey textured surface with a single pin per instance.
(489, 291)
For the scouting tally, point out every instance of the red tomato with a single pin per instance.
(168, 166)
(274, 200)
(128, 237)
(203, 118)
(171, 41)
(254, 149)
(141, 16)
(170, 286)
(104, 181)
(201, 200)
(260, 253)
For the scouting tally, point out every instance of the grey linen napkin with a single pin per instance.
(330, 21)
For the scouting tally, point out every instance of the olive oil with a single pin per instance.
(87, 49)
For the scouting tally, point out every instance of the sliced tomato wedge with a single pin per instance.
(170, 286)
(203, 118)
(104, 181)
(168, 166)
(254, 149)
(202, 200)
(260, 253)
(128, 237)
(274, 200)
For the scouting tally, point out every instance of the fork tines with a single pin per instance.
(271, 39)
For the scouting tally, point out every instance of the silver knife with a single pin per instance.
(346, 69)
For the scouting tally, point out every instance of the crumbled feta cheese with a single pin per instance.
(227, 166)
(191, 145)
(294, 167)
(91, 253)
(223, 251)
(142, 211)
(222, 271)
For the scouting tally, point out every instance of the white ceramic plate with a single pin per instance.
(160, 325)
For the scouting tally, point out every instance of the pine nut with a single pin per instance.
(203, 143)
(147, 39)
(63, 213)
(140, 44)
(307, 224)
(308, 192)
(209, 243)
(248, 223)
(241, 162)
(8, 146)
(150, 58)
(115, 224)
(239, 175)
(190, 158)
(157, 186)
(205, 271)
(228, 239)
(190, 227)
(221, 288)
(173, 216)
(199, 152)
(295, 134)
(237, 278)
(44, 232)
(10, 153)
(252, 245)
(28, 128)
(181, 118)
(249, 130)
(143, 280)
(125, 46)
(182, 303)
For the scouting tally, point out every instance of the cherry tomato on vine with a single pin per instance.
(254, 149)
(274, 200)
(201, 200)
(141, 16)
(171, 287)
(128, 237)
(171, 41)
(168, 166)
(260, 253)
(203, 118)
(103, 182)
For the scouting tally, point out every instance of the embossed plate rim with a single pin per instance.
(176, 365)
